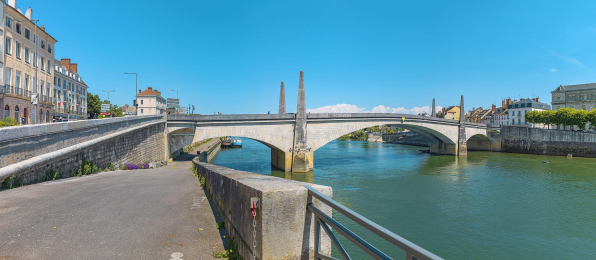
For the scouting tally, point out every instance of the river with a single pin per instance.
(486, 206)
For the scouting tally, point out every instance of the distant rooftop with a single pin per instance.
(575, 87)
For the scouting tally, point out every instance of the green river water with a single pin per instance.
(486, 206)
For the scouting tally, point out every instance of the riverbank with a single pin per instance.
(548, 142)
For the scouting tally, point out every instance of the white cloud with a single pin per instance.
(347, 108)
(553, 70)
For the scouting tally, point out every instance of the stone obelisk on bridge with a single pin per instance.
(434, 112)
(282, 99)
(462, 148)
(301, 156)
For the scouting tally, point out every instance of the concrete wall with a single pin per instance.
(21, 143)
(177, 142)
(549, 142)
(140, 144)
(284, 230)
(210, 152)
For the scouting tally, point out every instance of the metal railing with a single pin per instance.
(322, 220)
(27, 93)
(18, 91)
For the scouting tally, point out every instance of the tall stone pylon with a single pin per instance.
(282, 99)
(434, 114)
(462, 143)
(301, 156)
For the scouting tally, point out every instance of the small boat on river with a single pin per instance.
(226, 143)
(237, 143)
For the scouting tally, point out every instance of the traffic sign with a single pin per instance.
(105, 113)
(105, 107)
(34, 98)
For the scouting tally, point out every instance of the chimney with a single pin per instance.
(12, 3)
(139, 91)
(73, 68)
(503, 103)
(66, 63)
(494, 108)
(537, 99)
(521, 99)
(28, 13)
(43, 28)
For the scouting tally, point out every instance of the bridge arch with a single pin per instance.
(479, 142)
(322, 133)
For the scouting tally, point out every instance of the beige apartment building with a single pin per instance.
(580, 96)
(18, 66)
(150, 102)
(70, 91)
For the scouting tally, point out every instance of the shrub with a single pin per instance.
(220, 225)
(111, 167)
(7, 184)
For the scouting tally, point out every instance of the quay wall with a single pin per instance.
(547, 141)
(408, 139)
(132, 140)
(284, 229)
(208, 154)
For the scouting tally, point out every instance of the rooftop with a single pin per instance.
(575, 87)
(149, 92)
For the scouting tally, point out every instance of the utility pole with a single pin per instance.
(109, 95)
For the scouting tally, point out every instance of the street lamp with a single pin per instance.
(34, 63)
(136, 87)
(176, 93)
(109, 95)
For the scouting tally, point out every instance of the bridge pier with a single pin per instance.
(462, 142)
(301, 154)
(443, 148)
(281, 160)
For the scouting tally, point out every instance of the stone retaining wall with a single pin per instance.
(144, 143)
(210, 152)
(20, 143)
(547, 141)
(284, 230)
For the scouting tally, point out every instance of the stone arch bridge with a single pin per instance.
(283, 134)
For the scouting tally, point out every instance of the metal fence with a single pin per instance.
(325, 222)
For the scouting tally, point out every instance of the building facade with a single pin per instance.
(70, 91)
(19, 65)
(580, 96)
(150, 102)
(517, 110)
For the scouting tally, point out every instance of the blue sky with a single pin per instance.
(230, 56)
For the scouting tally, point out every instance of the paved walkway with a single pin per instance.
(141, 214)
(193, 154)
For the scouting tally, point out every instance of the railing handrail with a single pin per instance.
(402, 243)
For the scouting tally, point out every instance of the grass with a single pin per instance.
(191, 147)
(231, 253)
(220, 225)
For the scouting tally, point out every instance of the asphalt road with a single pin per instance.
(140, 214)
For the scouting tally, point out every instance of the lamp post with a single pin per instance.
(176, 93)
(136, 89)
(34, 65)
(109, 95)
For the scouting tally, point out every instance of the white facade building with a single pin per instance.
(150, 102)
(517, 111)
(70, 91)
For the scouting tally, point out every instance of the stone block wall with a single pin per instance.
(143, 144)
(20, 143)
(547, 141)
(284, 229)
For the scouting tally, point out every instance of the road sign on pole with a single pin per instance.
(34, 98)
(105, 107)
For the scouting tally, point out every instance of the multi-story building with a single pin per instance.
(19, 64)
(580, 96)
(70, 91)
(150, 102)
(517, 110)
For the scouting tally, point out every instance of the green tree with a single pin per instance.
(93, 104)
(547, 117)
(580, 118)
(564, 116)
(592, 118)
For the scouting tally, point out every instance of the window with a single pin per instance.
(49, 67)
(49, 48)
(17, 46)
(519, 121)
(17, 79)
(41, 88)
(8, 22)
(571, 97)
(26, 86)
(7, 77)
(27, 59)
(8, 46)
(43, 63)
(18, 27)
(16, 113)
(583, 97)
(141, 101)
(43, 44)
(141, 110)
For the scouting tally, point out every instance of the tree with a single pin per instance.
(547, 117)
(592, 118)
(580, 118)
(563, 117)
(93, 104)
(9, 121)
